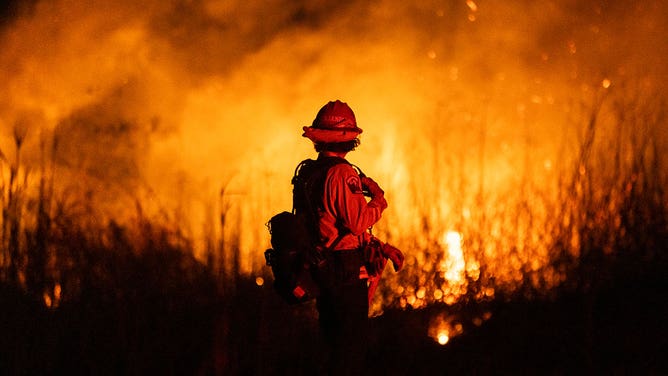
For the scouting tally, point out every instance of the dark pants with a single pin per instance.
(343, 309)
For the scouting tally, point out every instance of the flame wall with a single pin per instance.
(470, 111)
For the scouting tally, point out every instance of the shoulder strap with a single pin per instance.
(299, 183)
(358, 170)
(337, 240)
(308, 185)
(309, 176)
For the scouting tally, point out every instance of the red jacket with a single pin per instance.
(344, 204)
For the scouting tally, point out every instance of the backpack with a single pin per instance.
(297, 257)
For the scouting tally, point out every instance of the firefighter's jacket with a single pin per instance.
(346, 209)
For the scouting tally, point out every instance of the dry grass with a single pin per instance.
(83, 296)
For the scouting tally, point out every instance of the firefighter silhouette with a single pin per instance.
(339, 213)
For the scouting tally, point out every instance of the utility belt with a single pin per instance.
(347, 251)
(345, 266)
(348, 242)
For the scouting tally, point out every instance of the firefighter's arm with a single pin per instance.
(376, 193)
(357, 215)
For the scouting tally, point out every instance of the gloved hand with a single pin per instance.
(374, 256)
(395, 255)
(370, 185)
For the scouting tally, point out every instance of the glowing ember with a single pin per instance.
(443, 328)
(52, 298)
(443, 337)
(47, 300)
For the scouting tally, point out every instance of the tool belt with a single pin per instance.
(343, 267)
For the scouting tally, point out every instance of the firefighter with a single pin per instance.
(343, 216)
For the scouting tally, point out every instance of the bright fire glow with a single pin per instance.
(453, 265)
(52, 298)
(443, 329)
(193, 119)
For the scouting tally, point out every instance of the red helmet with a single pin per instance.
(335, 122)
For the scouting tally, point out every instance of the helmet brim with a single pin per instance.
(331, 135)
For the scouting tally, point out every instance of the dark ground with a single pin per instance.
(620, 331)
(617, 330)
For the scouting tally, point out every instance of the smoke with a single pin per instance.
(179, 101)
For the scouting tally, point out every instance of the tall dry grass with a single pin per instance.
(83, 296)
(598, 216)
(131, 297)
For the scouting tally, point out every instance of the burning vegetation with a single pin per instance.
(522, 149)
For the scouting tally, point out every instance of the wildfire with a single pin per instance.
(195, 117)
